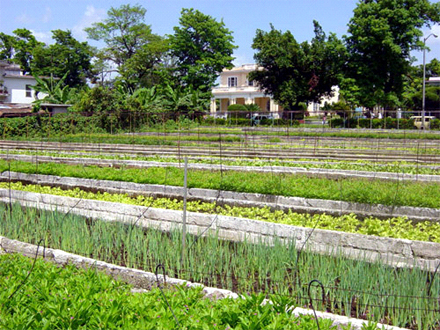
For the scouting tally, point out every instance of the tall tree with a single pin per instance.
(295, 73)
(130, 43)
(66, 57)
(202, 48)
(20, 48)
(382, 33)
(6, 46)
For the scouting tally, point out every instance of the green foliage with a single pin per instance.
(390, 123)
(202, 48)
(398, 227)
(72, 298)
(56, 92)
(20, 47)
(253, 107)
(381, 36)
(294, 73)
(88, 296)
(67, 58)
(237, 119)
(148, 99)
(6, 46)
(176, 99)
(38, 127)
(130, 44)
(114, 109)
(237, 107)
(367, 191)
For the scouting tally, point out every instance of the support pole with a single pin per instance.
(185, 193)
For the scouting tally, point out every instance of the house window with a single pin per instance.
(232, 81)
(250, 83)
(28, 91)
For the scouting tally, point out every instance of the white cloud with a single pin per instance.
(47, 15)
(45, 37)
(91, 15)
(436, 30)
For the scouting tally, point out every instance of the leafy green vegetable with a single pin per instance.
(398, 227)
(71, 298)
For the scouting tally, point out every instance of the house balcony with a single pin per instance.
(228, 90)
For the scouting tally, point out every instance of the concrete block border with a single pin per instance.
(229, 197)
(147, 280)
(394, 252)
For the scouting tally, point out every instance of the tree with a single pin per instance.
(20, 48)
(432, 68)
(382, 35)
(412, 87)
(202, 48)
(295, 73)
(130, 43)
(6, 46)
(66, 57)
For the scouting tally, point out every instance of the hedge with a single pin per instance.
(388, 122)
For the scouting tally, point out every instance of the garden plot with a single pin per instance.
(351, 287)
(396, 252)
(378, 150)
(295, 204)
(225, 202)
(213, 312)
(313, 172)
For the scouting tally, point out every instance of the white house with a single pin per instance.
(236, 88)
(15, 87)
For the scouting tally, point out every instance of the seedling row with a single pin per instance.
(394, 227)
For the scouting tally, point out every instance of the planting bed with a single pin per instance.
(269, 169)
(398, 252)
(90, 309)
(243, 200)
(401, 167)
(296, 147)
(351, 287)
(235, 178)
(368, 191)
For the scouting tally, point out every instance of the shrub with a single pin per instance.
(237, 107)
(388, 122)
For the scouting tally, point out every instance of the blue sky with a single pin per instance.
(243, 17)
